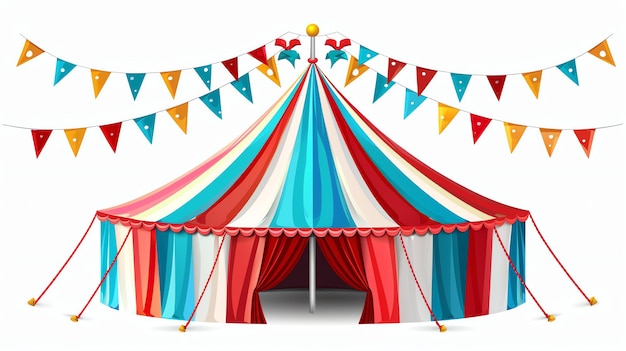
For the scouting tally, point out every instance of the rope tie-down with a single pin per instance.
(34, 301)
(442, 328)
(183, 327)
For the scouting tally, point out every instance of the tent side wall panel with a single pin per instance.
(125, 270)
(517, 249)
(109, 294)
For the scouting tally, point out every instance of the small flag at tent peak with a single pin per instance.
(29, 52)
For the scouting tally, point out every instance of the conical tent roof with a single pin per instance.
(313, 164)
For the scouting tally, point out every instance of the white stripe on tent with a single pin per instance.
(363, 206)
(125, 270)
(498, 295)
(420, 251)
(212, 307)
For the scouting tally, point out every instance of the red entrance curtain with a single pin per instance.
(344, 256)
(244, 264)
(379, 258)
(280, 257)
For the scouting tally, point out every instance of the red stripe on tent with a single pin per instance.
(478, 279)
(379, 259)
(244, 265)
(147, 291)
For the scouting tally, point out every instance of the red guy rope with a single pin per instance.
(32, 301)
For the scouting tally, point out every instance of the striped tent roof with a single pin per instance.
(312, 165)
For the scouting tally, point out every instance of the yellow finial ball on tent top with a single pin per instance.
(312, 30)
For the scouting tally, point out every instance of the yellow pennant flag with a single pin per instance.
(354, 70)
(171, 81)
(179, 115)
(270, 70)
(533, 79)
(513, 134)
(29, 52)
(98, 78)
(603, 52)
(446, 115)
(550, 137)
(75, 138)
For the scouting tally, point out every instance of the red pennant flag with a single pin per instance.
(259, 54)
(424, 76)
(479, 124)
(40, 137)
(112, 133)
(393, 68)
(497, 83)
(232, 67)
(585, 137)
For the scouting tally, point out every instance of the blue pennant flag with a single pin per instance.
(336, 55)
(146, 124)
(243, 86)
(460, 82)
(381, 86)
(63, 68)
(205, 74)
(365, 55)
(412, 101)
(569, 69)
(289, 55)
(134, 82)
(213, 102)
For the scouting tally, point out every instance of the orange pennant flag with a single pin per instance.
(603, 52)
(585, 138)
(29, 52)
(513, 134)
(550, 137)
(179, 115)
(270, 70)
(354, 70)
(533, 79)
(171, 81)
(75, 138)
(98, 78)
(446, 115)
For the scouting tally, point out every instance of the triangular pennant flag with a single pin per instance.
(29, 52)
(412, 101)
(75, 138)
(243, 86)
(393, 68)
(497, 83)
(134, 82)
(381, 86)
(569, 69)
(146, 125)
(171, 81)
(355, 70)
(270, 70)
(232, 66)
(603, 52)
(514, 133)
(179, 115)
(98, 78)
(585, 138)
(424, 76)
(533, 79)
(460, 82)
(550, 137)
(479, 124)
(213, 102)
(259, 54)
(112, 134)
(40, 138)
(366, 54)
(204, 73)
(62, 69)
(446, 115)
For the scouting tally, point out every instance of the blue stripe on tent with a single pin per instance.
(109, 294)
(450, 253)
(216, 189)
(409, 190)
(517, 251)
(176, 274)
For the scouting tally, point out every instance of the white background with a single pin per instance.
(47, 203)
